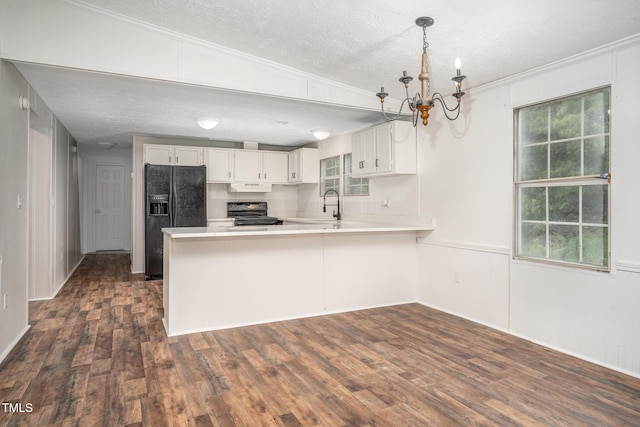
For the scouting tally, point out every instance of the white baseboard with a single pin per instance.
(540, 343)
(10, 347)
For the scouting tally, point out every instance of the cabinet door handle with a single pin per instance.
(377, 162)
(177, 160)
(169, 159)
(229, 174)
(258, 175)
(265, 176)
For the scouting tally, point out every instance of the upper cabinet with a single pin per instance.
(219, 163)
(173, 155)
(227, 165)
(252, 166)
(275, 166)
(386, 149)
(304, 166)
(247, 166)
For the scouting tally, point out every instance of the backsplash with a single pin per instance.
(282, 200)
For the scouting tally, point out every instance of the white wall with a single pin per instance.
(467, 185)
(40, 196)
(65, 253)
(124, 46)
(14, 127)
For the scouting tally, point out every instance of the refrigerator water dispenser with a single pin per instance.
(158, 205)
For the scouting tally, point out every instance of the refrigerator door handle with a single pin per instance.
(171, 206)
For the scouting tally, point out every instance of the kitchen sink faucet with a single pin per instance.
(337, 215)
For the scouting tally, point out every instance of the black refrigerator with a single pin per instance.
(175, 197)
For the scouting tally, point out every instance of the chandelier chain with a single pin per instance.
(425, 44)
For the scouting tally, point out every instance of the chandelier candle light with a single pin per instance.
(421, 103)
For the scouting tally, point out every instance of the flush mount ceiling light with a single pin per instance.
(321, 134)
(106, 145)
(207, 122)
(421, 103)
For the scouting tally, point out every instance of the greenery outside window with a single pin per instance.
(353, 186)
(562, 180)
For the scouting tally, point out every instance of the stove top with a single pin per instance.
(257, 220)
(250, 213)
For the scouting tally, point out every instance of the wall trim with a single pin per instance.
(182, 38)
(501, 250)
(629, 266)
(537, 342)
(13, 343)
(73, 270)
(576, 355)
(604, 49)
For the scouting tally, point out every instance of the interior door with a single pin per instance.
(110, 190)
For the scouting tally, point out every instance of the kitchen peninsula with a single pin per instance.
(220, 277)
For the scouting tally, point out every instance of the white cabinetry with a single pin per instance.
(219, 163)
(172, 155)
(304, 166)
(363, 152)
(386, 149)
(275, 166)
(251, 166)
(247, 166)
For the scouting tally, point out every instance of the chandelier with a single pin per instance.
(421, 103)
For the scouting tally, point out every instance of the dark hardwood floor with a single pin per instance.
(97, 354)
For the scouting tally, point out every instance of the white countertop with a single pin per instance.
(291, 226)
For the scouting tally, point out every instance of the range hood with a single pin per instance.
(239, 187)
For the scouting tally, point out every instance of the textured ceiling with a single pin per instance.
(367, 43)
(97, 107)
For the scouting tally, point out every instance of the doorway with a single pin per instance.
(110, 207)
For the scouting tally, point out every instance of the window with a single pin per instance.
(329, 174)
(353, 186)
(562, 180)
(330, 177)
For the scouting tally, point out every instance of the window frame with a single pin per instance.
(322, 187)
(342, 177)
(580, 181)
